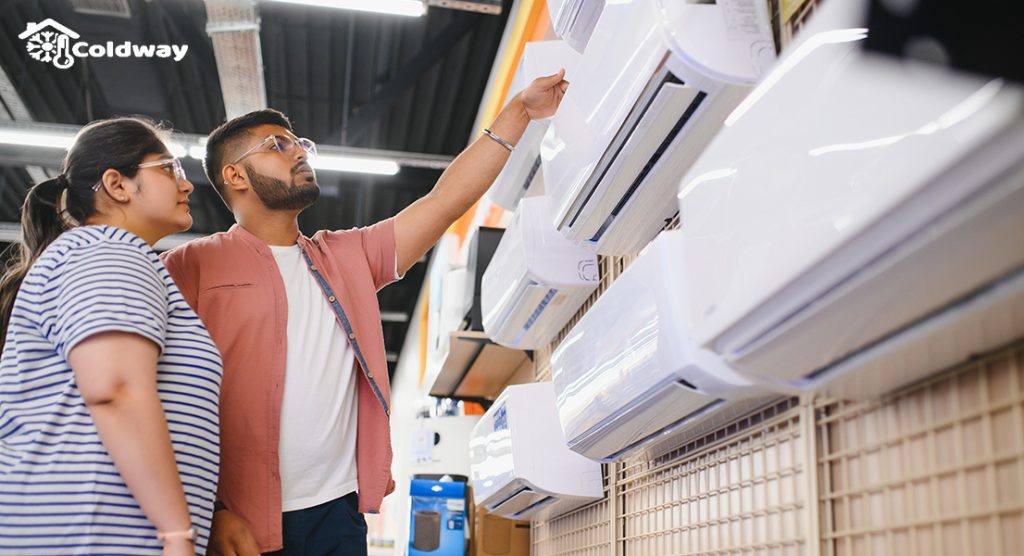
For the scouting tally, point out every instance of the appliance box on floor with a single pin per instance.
(438, 521)
(496, 536)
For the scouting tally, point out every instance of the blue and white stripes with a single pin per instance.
(59, 490)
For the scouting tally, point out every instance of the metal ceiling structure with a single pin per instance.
(354, 82)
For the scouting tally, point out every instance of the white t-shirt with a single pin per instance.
(319, 410)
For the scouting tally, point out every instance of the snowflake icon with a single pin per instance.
(42, 46)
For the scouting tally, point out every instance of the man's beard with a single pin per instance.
(276, 195)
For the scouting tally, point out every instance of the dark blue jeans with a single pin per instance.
(334, 528)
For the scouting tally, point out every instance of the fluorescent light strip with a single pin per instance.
(353, 164)
(177, 149)
(413, 8)
(34, 139)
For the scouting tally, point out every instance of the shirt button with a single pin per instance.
(351, 335)
(331, 299)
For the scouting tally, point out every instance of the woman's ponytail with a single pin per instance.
(41, 223)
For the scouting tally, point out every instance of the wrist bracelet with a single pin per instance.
(188, 534)
(500, 141)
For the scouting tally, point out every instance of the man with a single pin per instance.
(305, 442)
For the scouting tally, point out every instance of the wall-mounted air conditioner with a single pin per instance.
(652, 89)
(449, 299)
(574, 20)
(482, 244)
(521, 175)
(629, 374)
(536, 280)
(520, 465)
(859, 222)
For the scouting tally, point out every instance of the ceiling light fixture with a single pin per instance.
(36, 139)
(413, 8)
(354, 164)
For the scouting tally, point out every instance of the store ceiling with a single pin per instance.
(345, 78)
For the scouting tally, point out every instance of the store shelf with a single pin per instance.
(477, 369)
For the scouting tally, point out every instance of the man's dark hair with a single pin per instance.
(228, 136)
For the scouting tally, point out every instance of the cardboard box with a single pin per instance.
(497, 536)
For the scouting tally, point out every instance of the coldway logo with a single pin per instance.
(51, 42)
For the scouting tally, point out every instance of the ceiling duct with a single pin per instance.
(13, 109)
(234, 27)
(492, 7)
(108, 8)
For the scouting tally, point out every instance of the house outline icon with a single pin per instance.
(34, 28)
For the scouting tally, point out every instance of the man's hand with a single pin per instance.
(230, 536)
(391, 487)
(542, 97)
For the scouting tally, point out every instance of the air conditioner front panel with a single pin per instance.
(629, 369)
(648, 206)
(517, 458)
(536, 280)
(594, 109)
(629, 424)
(492, 467)
(786, 186)
(955, 256)
(627, 155)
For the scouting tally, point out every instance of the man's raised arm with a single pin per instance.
(421, 224)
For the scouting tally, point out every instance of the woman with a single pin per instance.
(109, 382)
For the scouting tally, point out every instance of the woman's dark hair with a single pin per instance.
(56, 205)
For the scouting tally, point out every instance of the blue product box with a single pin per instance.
(437, 524)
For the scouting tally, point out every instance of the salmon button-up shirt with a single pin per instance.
(233, 282)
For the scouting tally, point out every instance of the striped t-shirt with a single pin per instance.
(60, 492)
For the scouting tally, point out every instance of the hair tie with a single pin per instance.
(63, 186)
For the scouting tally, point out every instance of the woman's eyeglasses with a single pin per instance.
(173, 163)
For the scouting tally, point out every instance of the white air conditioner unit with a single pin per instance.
(574, 20)
(629, 375)
(449, 299)
(652, 89)
(536, 281)
(518, 460)
(521, 175)
(859, 223)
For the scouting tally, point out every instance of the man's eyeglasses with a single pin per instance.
(174, 165)
(281, 144)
